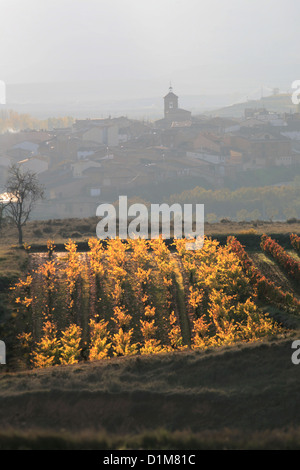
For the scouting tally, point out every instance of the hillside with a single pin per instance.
(239, 392)
(235, 397)
(281, 103)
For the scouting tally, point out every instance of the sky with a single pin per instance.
(136, 47)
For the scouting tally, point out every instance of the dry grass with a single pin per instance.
(244, 396)
(161, 439)
(61, 230)
(12, 261)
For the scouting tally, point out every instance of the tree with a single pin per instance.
(3, 205)
(24, 190)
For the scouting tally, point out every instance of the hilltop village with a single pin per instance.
(96, 160)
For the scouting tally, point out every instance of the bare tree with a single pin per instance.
(23, 190)
(3, 205)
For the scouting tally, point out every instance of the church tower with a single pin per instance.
(173, 114)
(171, 102)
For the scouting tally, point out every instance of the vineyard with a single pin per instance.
(139, 297)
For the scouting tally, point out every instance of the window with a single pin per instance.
(95, 192)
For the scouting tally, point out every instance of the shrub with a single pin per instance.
(265, 289)
(99, 336)
(46, 352)
(287, 262)
(70, 345)
(295, 241)
(48, 229)
(37, 233)
(122, 345)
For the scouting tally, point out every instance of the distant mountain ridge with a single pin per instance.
(101, 99)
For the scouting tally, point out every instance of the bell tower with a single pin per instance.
(171, 102)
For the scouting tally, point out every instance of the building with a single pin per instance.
(99, 131)
(79, 168)
(36, 165)
(262, 149)
(172, 113)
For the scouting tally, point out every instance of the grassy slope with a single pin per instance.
(12, 263)
(236, 393)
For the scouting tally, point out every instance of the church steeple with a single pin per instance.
(171, 101)
(173, 114)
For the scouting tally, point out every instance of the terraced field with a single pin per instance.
(209, 378)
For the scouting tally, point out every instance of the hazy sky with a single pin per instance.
(201, 45)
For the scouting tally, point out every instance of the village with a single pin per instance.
(95, 160)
